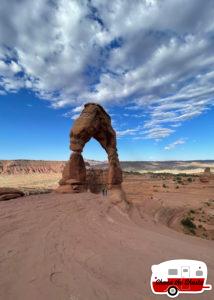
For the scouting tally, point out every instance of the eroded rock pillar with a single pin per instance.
(114, 172)
(74, 175)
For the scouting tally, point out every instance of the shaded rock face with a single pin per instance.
(95, 123)
(96, 180)
(10, 193)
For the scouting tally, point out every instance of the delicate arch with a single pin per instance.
(93, 122)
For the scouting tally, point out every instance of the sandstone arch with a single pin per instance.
(93, 122)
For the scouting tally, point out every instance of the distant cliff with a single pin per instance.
(30, 166)
(8, 167)
(24, 166)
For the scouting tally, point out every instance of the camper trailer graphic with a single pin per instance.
(179, 276)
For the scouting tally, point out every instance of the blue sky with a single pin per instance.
(149, 63)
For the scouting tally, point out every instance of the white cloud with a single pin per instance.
(75, 116)
(130, 131)
(158, 132)
(71, 115)
(78, 109)
(174, 144)
(152, 57)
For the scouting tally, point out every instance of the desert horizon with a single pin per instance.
(167, 166)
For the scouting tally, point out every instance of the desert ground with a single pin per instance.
(86, 246)
(165, 197)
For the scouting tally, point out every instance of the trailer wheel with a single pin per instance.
(172, 291)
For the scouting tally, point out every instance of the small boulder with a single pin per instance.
(9, 193)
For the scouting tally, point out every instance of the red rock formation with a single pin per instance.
(15, 167)
(206, 176)
(92, 122)
(10, 193)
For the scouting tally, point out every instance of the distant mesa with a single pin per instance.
(93, 122)
(24, 166)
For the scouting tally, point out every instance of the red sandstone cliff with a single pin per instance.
(24, 166)
(30, 166)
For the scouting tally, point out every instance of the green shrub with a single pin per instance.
(187, 222)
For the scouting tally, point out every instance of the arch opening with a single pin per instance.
(96, 168)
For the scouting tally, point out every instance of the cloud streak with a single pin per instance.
(174, 144)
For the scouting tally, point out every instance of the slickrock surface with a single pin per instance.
(82, 247)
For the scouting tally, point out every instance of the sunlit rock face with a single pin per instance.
(93, 122)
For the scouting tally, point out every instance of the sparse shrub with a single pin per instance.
(177, 187)
(179, 179)
(192, 211)
(164, 186)
(189, 179)
(187, 222)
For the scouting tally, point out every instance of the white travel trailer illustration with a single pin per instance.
(179, 276)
